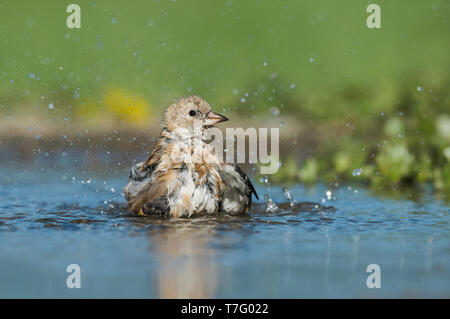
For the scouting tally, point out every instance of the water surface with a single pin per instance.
(320, 247)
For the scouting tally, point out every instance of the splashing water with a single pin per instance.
(264, 180)
(86, 181)
(271, 207)
(288, 195)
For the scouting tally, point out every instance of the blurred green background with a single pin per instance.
(372, 103)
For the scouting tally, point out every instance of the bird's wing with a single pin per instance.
(141, 171)
(247, 180)
(147, 189)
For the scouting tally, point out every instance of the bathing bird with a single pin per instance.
(183, 176)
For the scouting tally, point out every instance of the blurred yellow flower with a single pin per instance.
(128, 107)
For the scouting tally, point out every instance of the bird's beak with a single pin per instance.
(213, 118)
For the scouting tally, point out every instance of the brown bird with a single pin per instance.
(171, 183)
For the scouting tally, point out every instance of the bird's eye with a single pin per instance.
(192, 113)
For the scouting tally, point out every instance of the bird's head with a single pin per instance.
(189, 113)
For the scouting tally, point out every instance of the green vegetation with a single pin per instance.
(384, 91)
(406, 144)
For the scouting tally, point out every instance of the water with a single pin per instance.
(313, 246)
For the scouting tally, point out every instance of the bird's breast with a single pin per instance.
(196, 190)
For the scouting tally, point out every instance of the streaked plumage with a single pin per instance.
(161, 185)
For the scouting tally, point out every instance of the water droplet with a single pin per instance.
(274, 110)
(114, 20)
(235, 91)
(287, 193)
(311, 59)
(264, 180)
(51, 106)
(86, 181)
(357, 171)
(419, 89)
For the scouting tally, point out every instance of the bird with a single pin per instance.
(169, 183)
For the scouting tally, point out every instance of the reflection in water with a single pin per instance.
(186, 263)
(429, 253)
(187, 266)
(402, 253)
(327, 260)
